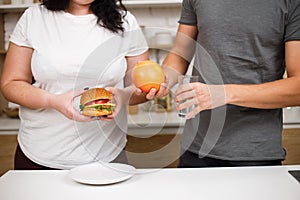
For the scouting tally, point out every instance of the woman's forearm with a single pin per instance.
(133, 97)
(25, 94)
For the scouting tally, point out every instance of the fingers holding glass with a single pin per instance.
(185, 96)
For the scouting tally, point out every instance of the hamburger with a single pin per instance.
(96, 102)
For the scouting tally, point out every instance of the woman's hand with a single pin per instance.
(203, 96)
(64, 104)
(120, 98)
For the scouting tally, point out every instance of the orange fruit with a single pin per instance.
(147, 75)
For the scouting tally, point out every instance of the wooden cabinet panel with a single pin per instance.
(8, 144)
(291, 143)
(158, 151)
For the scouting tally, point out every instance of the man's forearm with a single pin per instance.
(276, 94)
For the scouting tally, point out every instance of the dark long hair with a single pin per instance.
(110, 13)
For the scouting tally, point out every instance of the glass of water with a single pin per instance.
(186, 79)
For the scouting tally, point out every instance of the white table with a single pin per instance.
(245, 183)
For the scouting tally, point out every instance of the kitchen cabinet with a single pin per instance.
(8, 144)
(291, 143)
(161, 150)
(142, 152)
(158, 151)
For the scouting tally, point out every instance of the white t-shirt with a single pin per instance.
(70, 53)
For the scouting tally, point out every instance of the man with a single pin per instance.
(242, 49)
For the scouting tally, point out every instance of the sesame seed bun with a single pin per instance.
(94, 94)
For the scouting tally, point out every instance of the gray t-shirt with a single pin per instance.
(239, 42)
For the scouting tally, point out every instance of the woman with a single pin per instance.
(52, 43)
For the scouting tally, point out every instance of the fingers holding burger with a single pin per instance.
(97, 102)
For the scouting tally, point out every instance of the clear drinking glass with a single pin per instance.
(186, 79)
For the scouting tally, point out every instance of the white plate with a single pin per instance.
(102, 173)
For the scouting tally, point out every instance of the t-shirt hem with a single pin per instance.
(18, 43)
(292, 39)
(56, 165)
(238, 158)
(187, 23)
(38, 161)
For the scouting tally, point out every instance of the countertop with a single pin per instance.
(247, 183)
(151, 122)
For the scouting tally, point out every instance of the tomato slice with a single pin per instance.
(101, 101)
(98, 101)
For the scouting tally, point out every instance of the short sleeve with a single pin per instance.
(137, 42)
(292, 30)
(19, 35)
(188, 15)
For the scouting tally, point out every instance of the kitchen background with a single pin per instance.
(158, 20)
(154, 136)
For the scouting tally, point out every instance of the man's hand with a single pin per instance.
(203, 96)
